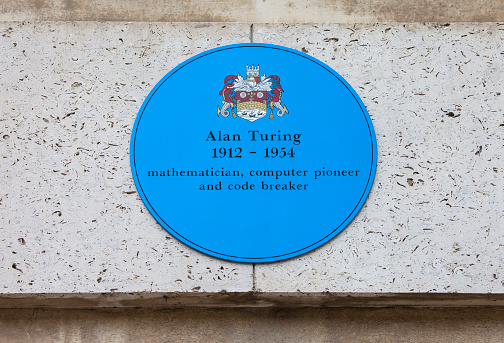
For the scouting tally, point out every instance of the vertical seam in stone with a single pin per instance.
(251, 35)
(253, 276)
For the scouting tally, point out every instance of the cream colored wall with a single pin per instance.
(74, 233)
(71, 222)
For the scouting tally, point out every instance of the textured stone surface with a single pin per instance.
(70, 217)
(258, 11)
(71, 221)
(253, 325)
(434, 219)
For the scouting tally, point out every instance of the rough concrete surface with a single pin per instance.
(72, 222)
(253, 325)
(255, 11)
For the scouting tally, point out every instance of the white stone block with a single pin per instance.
(71, 220)
(70, 217)
(434, 220)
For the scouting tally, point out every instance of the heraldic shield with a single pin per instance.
(251, 97)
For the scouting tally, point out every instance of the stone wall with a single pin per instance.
(75, 237)
(72, 222)
(254, 11)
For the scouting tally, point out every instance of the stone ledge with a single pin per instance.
(282, 11)
(249, 300)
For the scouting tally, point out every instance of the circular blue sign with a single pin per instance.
(253, 153)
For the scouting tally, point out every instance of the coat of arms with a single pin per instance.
(250, 98)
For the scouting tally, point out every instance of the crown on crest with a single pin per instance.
(252, 70)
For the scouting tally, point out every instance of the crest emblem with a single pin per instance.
(252, 97)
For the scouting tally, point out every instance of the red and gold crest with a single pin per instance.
(252, 97)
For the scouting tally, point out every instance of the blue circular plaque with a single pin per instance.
(253, 153)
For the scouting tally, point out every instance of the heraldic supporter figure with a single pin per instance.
(251, 97)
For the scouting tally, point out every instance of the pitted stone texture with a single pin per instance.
(71, 221)
(434, 220)
(70, 217)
